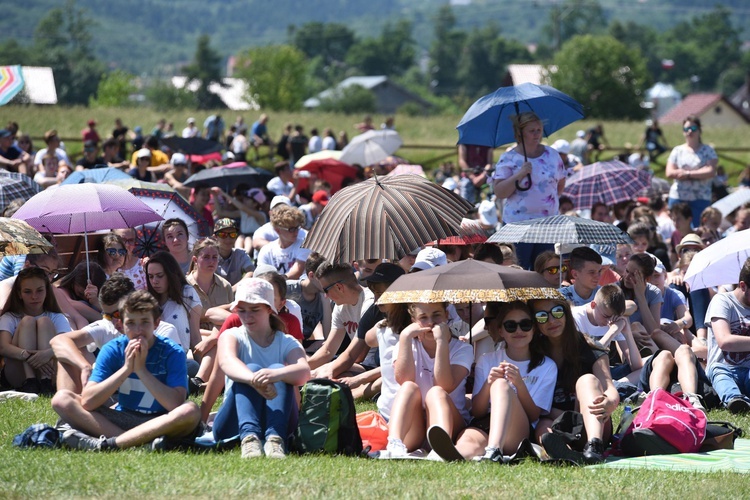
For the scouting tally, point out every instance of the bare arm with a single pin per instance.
(446, 375)
(329, 348)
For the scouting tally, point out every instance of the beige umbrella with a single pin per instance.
(18, 238)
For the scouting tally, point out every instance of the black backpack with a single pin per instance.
(327, 420)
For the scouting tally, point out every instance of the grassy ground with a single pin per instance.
(58, 473)
(426, 139)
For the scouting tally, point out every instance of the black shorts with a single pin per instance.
(643, 383)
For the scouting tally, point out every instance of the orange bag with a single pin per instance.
(374, 430)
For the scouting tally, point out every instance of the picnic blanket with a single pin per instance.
(736, 460)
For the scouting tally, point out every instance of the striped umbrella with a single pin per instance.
(385, 218)
(560, 229)
(15, 186)
(607, 181)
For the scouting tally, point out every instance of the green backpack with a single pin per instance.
(327, 420)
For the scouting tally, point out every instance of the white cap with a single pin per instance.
(191, 120)
(561, 146)
(429, 258)
(254, 291)
(488, 213)
(143, 153)
(580, 134)
(179, 159)
(278, 200)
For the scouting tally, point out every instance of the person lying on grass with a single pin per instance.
(149, 375)
(513, 387)
(431, 367)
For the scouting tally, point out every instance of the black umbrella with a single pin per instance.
(192, 145)
(227, 178)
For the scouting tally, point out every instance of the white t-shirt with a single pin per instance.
(726, 306)
(329, 143)
(387, 341)
(250, 352)
(347, 316)
(268, 233)
(586, 326)
(179, 316)
(103, 331)
(9, 321)
(540, 382)
(460, 353)
(282, 258)
(315, 144)
(279, 187)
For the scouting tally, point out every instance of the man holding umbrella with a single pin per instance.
(530, 178)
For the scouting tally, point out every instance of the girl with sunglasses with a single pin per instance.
(692, 166)
(548, 265)
(248, 208)
(513, 387)
(584, 383)
(431, 367)
(30, 319)
(111, 253)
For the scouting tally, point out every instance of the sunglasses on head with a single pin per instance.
(554, 269)
(111, 316)
(691, 128)
(231, 234)
(511, 326)
(556, 312)
(113, 252)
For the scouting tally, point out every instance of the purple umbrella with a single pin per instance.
(80, 208)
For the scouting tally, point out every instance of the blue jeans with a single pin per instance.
(246, 412)
(730, 381)
(696, 207)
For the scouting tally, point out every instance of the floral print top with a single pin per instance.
(542, 199)
(687, 159)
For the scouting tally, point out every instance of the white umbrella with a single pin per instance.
(720, 263)
(732, 201)
(371, 147)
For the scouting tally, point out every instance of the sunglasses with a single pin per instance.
(113, 252)
(288, 229)
(111, 316)
(556, 312)
(555, 269)
(327, 288)
(232, 234)
(691, 128)
(511, 326)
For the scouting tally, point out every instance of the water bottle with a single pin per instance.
(626, 419)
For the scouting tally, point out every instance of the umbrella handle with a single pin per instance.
(521, 188)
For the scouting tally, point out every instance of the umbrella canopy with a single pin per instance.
(607, 181)
(385, 218)
(330, 170)
(719, 263)
(15, 186)
(468, 281)
(95, 175)
(487, 122)
(733, 201)
(18, 238)
(560, 229)
(371, 147)
(148, 241)
(228, 178)
(192, 145)
(326, 154)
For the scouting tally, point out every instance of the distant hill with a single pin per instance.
(155, 37)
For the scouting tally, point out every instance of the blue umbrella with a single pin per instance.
(95, 175)
(487, 122)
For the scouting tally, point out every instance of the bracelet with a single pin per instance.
(25, 355)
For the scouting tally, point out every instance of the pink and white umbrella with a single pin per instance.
(81, 208)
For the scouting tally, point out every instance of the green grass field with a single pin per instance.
(141, 473)
(426, 139)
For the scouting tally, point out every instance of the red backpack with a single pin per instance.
(665, 424)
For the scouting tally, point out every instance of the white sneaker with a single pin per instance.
(395, 449)
(274, 447)
(250, 447)
(695, 400)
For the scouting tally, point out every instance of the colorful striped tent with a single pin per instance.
(11, 83)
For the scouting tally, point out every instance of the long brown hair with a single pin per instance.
(499, 310)
(14, 304)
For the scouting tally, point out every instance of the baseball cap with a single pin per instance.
(138, 129)
(179, 159)
(89, 146)
(265, 269)
(277, 200)
(143, 153)
(256, 194)
(227, 156)
(5, 133)
(91, 123)
(191, 120)
(385, 272)
(561, 146)
(690, 240)
(580, 134)
(488, 213)
(225, 223)
(320, 197)
(429, 258)
(254, 291)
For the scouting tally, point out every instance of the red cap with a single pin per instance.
(320, 197)
(91, 123)
(644, 199)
